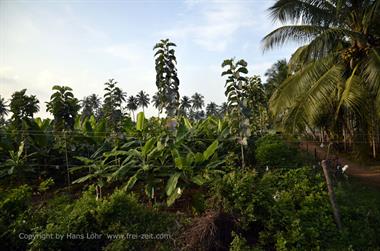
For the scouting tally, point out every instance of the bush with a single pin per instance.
(13, 215)
(88, 224)
(274, 152)
(282, 210)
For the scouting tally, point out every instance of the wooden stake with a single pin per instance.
(331, 195)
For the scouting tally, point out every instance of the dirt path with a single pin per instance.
(364, 173)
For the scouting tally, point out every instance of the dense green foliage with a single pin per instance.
(98, 178)
(271, 151)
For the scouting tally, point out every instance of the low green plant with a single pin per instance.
(115, 222)
(282, 210)
(272, 151)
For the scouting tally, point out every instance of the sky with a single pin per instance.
(84, 43)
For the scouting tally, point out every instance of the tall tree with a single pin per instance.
(112, 105)
(167, 80)
(23, 107)
(211, 109)
(143, 99)
(3, 110)
(276, 74)
(132, 105)
(64, 107)
(223, 109)
(185, 105)
(198, 102)
(90, 106)
(156, 100)
(257, 104)
(237, 101)
(338, 68)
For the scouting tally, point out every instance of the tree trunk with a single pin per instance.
(331, 195)
(242, 156)
(98, 190)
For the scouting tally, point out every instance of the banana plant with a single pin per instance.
(99, 170)
(16, 165)
(192, 168)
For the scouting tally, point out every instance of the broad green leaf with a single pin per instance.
(85, 160)
(115, 153)
(175, 195)
(210, 150)
(172, 183)
(149, 145)
(140, 121)
(20, 149)
(83, 179)
(187, 123)
(199, 180)
(198, 158)
(131, 182)
(178, 162)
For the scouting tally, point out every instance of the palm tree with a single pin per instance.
(337, 71)
(223, 109)
(143, 99)
(157, 102)
(198, 101)
(185, 105)
(132, 105)
(3, 109)
(112, 105)
(90, 105)
(211, 109)
(277, 74)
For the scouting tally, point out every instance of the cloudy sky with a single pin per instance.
(82, 44)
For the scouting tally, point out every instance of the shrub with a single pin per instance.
(13, 215)
(273, 152)
(88, 224)
(284, 209)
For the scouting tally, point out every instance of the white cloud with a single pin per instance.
(217, 25)
(130, 53)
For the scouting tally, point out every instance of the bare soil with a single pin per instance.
(366, 173)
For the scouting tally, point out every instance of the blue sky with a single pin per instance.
(82, 44)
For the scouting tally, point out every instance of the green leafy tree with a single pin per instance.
(112, 105)
(212, 109)
(336, 71)
(257, 103)
(276, 74)
(236, 93)
(23, 107)
(157, 102)
(3, 110)
(223, 109)
(143, 99)
(167, 80)
(185, 105)
(91, 106)
(64, 107)
(198, 103)
(132, 105)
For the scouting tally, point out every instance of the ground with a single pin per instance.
(368, 173)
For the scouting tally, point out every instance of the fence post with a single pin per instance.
(331, 195)
(315, 154)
